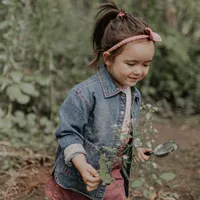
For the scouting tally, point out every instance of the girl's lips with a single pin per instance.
(134, 79)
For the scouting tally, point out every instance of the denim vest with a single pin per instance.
(87, 117)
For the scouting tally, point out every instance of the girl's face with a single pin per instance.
(132, 64)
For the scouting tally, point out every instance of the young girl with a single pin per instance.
(94, 107)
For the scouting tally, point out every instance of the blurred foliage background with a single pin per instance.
(45, 48)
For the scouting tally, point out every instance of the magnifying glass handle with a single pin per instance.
(148, 153)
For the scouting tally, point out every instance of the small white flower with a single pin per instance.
(148, 116)
(149, 145)
(145, 130)
(122, 137)
(155, 130)
(125, 157)
(155, 109)
(148, 105)
(155, 166)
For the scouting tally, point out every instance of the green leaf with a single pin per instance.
(44, 121)
(29, 89)
(20, 119)
(106, 178)
(155, 165)
(14, 93)
(4, 83)
(111, 150)
(42, 80)
(104, 173)
(31, 119)
(6, 124)
(19, 114)
(3, 57)
(154, 176)
(23, 99)
(159, 182)
(137, 183)
(3, 24)
(168, 176)
(7, 2)
(16, 76)
(146, 194)
(102, 162)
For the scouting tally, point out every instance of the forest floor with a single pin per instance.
(26, 180)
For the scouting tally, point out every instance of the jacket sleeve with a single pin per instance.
(74, 114)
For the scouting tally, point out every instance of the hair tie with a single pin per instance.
(121, 14)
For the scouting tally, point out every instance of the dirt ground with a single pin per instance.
(184, 162)
(27, 182)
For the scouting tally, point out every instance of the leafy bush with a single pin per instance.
(45, 49)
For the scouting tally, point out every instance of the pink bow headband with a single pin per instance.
(151, 35)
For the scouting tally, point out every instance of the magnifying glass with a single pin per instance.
(163, 149)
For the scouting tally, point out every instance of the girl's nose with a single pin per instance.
(137, 71)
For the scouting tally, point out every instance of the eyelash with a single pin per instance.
(131, 64)
(134, 64)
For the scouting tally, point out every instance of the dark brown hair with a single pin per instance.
(110, 29)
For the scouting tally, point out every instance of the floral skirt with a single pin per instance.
(114, 191)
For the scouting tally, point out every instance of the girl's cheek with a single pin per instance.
(127, 70)
(145, 72)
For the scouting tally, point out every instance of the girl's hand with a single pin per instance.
(140, 156)
(90, 177)
(89, 174)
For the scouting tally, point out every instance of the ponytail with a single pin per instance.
(110, 12)
(110, 28)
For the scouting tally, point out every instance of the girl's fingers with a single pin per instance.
(92, 185)
(140, 156)
(148, 150)
(89, 189)
(94, 179)
(145, 157)
(91, 179)
(92, 171)
(136, 159)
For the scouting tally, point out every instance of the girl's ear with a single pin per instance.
(106, 58)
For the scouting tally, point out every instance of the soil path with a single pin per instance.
(28, 182)
(185, 162)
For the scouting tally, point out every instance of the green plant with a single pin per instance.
(110, 156)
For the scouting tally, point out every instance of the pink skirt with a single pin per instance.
(114, 191)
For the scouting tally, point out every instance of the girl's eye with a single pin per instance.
(130, 64)
(146, 65)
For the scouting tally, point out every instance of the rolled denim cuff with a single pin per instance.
(71, 151)
(137, 142)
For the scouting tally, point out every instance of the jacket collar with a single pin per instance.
(107, 82)
(109, 86)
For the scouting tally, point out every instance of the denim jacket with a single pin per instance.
(87, 117)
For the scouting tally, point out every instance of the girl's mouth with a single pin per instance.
(133, 79)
